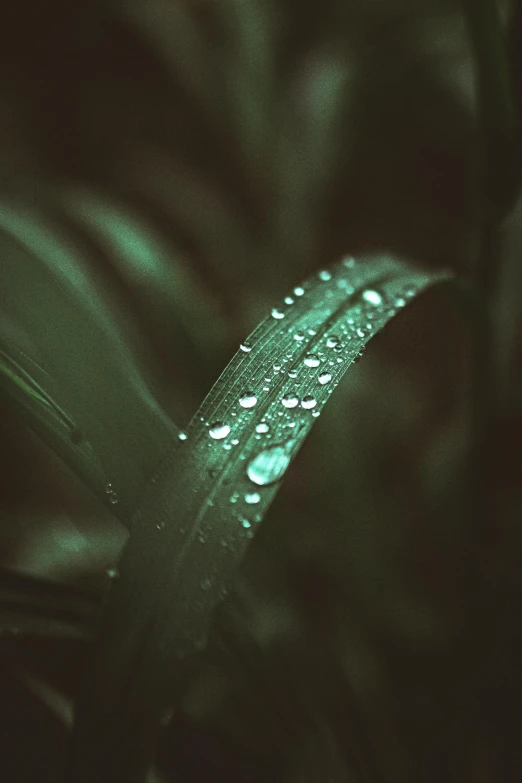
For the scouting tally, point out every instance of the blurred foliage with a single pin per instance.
(202, 157)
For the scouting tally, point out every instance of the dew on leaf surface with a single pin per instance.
(332, 341)
(324, 378)
(268, 466)
(312, 360)
(290, 401)
(252, 497)
(325, 275)
(298, 336)
(298, 290)
(277, 314)
(288, 300)
(218, 431)
(248, 400)
(308, 402)
(372, 296)
(246, 347)
(262, 427)
(182, 435)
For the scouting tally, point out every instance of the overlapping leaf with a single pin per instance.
(204, 505)
(66, 362)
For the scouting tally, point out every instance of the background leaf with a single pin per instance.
(66, 361)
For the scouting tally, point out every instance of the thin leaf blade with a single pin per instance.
(210, 495)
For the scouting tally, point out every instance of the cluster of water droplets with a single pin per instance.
(111, 494)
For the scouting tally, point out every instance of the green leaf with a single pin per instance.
(66, 363)
(42, 608)
(209, 497)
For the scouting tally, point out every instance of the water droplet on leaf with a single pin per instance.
(325, 275)
(252, 497)
(182, 435)
(372, 296)
(246, 347)
(290, 401)
(324, 378)
(298, 291)
(248, 400)
(312, 360)
(308, 402)
(262, 427)
(268, 466)
(332, 342)
(219, 430)
(277, 314)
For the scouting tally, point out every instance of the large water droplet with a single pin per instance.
(268, 466)
(262, 427)
(372, 296)
(277, 314)
(324, 378)
(252, 497)
(248, 400)
(219, 430)
(312, 360)
(332, 341)
(308, 402)
(246, 347)
(290, 401)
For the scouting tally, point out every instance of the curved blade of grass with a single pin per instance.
(66, 363)
(202, 509)
(42, 608)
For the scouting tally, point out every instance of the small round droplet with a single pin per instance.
(248, 400)
(312, 360)
(332, 341)
(262, 427)
(362, 332)
(325, 275)
(277, 314)
(400, 301)
(252, 498)
(349, 262)
(245, 523)
(372, 296)
(290, 401)
(324, 378)
(246, 347)
(277, 367)
(234, 497)
(218, 431)
(299, 336)
(315, 414)
(298, 291)
(182, 435)
(288, 300)
(308, 402)
(292, 373)
(234, 441)
(112, 572)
